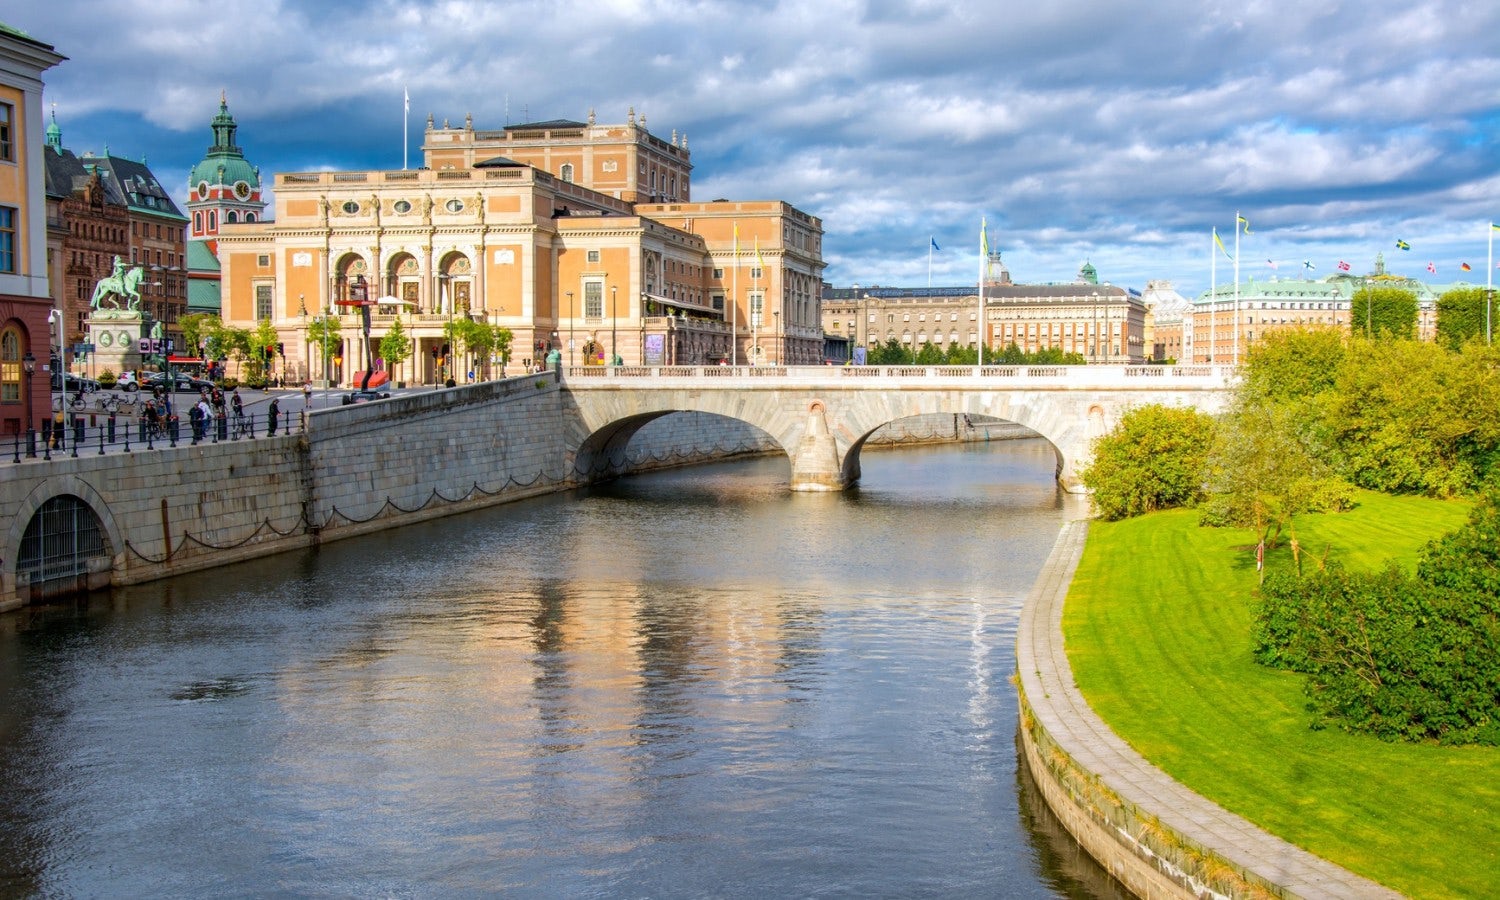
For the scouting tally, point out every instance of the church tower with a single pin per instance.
(223, 188)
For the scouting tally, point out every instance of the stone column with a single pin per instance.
(815, 460)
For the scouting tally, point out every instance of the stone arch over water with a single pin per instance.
(63, 539)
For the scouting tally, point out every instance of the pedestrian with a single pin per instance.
(307, 395)
(274, 414)
(205, 417)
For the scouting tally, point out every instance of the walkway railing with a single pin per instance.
(115, 433)
(1123, 376)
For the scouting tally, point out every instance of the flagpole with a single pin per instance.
(1213, 290)
(734, 348)
(984, 251)
(1236, 345)
(756, 290)
(405, 114)
(1490, 281)
(930, 241)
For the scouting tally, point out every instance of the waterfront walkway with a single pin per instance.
(1061, 710)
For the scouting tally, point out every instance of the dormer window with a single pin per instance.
(566, 173)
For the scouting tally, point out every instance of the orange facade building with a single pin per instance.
(26, 335)
(576, 236)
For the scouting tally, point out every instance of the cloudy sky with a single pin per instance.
(1120, 133)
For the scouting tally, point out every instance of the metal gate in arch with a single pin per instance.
(60, 541)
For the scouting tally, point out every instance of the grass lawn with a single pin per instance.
(1157, 626)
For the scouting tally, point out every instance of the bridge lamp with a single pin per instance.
(614, 348)
(54, 323)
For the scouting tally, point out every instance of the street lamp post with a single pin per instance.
(28, 368)
(780, 346)
(614, 348)
(1094, 338)
(302, 315)
(571, 314)
(54, 322)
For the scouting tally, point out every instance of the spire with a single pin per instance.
(224, 129)
(54, 134)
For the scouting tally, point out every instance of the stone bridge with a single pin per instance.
(71, 523)
(822, 415)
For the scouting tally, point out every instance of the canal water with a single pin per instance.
(686, 684)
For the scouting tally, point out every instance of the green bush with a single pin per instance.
(1154, 459)
(1396, 656)
(107, 379)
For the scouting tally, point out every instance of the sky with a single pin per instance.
(1114, 133)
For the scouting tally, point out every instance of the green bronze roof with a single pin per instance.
(225, 163)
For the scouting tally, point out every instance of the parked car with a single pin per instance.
(366, 396)
(181, 383)
(126, 381)
(75, 384)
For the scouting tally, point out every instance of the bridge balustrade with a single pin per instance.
(1119, 374)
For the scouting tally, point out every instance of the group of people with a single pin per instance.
(213, 413)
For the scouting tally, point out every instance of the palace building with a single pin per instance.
(1101, 322)
(577, 236)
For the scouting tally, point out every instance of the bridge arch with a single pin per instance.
(63, 538)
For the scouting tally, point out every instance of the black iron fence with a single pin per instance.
(115, 432)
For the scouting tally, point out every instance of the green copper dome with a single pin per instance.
(225, 164)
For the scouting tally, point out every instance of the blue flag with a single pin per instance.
(934, 243)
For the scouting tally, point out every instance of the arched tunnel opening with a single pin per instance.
(63, 552)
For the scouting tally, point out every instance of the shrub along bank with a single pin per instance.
(1159, 627)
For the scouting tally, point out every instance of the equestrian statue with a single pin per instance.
(122, 283)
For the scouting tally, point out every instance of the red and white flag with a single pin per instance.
(1432, 267)
(1343, 266)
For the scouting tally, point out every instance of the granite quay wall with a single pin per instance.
(1154, 835)
(356, 469)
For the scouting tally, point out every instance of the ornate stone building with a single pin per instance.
(1104, 323)
(550, 239)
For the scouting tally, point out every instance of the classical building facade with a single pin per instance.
(1102, 322)
(1220, 325)
(25, 261)
(544, 229)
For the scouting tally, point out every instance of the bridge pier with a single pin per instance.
(815, 460)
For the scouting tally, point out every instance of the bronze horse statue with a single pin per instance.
(124, 283)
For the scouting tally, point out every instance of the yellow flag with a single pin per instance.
(984, 242)
(1220, 244)
(760, 263)
(1245, 222)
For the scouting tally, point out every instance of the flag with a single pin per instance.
(1402, 245)
(1241, 220)
(1271, 263)
(1432, 267)
(1464, 267)
(984, 242)
(934, 243)
(759, 262)
(1308, 265)
(1220, 244)
(1343, 266)
(1495, 226)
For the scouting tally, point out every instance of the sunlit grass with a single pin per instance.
(1157, 626)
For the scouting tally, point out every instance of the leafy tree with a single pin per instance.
(503, 337)
(1265, 468)
(1397, 656)
(1293, 364)
(1010, 356)
(1383, 313)
(1410, 417)
(1153, 459)
(929, 355)
(1461, 316)
(194, 326)
(395, 347)
(261, 348)
(323, 331)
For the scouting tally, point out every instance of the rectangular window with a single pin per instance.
(717, 300)
(755, 272)
(7, 132)
(593, 298)
(263, 260)
(757, 309)
(593, 256)
(7, 239)
(718, 273)
(263, 301)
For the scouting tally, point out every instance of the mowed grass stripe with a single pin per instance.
(1157, 627)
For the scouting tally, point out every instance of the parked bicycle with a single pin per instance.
(243, 427)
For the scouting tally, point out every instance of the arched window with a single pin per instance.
(213, 220)
(567, 172)
(231, 217)
(198, 221)
(10, 366)
(249, 217)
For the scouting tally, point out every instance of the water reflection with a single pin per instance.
(688, 684)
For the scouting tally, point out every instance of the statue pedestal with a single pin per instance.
(116, 336)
